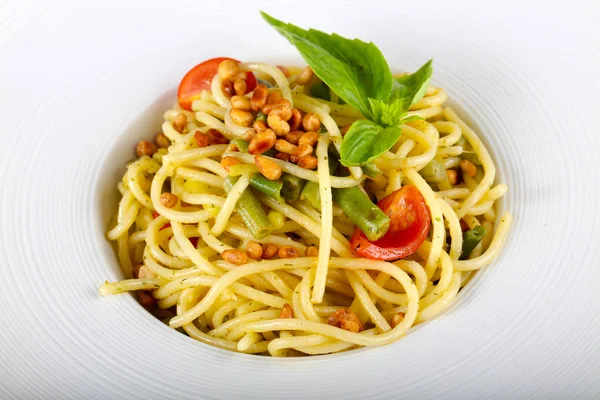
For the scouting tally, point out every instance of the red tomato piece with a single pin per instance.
(156, 214)
(409, 226)
(200, 77)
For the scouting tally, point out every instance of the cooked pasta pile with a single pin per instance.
(193, 242)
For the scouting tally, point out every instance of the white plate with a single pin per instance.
(75, 76)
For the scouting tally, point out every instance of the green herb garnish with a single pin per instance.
(359, 74)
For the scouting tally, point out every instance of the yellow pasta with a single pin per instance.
(265, 257)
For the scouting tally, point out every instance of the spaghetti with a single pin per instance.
(255, 252)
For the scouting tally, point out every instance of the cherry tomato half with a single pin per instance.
(409, 225)
(200, 77)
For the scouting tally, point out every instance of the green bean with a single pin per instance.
(270, 153)
(311, 194)
(360, 209)
(242, 145)
(292, 186)
(371, 170)
(250, 210)
(276, 218)
(434, 171)
(471, 239)
(266, 186)
(261, 116)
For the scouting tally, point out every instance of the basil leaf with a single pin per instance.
(353, 69)
(386, 114)
(411, 88)
(365, 141)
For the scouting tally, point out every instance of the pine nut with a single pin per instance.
(241, 117)
(262, 142)
(268, 168)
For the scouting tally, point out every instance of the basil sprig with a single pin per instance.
(359, 74)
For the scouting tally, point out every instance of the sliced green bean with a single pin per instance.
(311, 194)
(434, 171)
(292, 186)
(371, 170)
(362, 211)
(266, 186)
(242, 145)
(251, 211)
(471, 239)
(270, 153)
(277, 219)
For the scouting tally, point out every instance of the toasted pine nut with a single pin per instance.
(254, 250)
(241, 103)
(168, 200)
(468, 168)
(284, 146)
(235, 256)
(294, 136)
(345, 319)
(240, 87)
(281, 103)
(296, 120)
(136, 270)
(260, 126)
(259, 97)
(179, 122)
(162, 141)
(351, 325)
(301, 151)
(288, 252)
(397, 319)
(282, 156)
(248, 135)
(308, 162)
(262, 142)
(145, 299)
(228, 69)
(145, 273)
(309, 138)
(283, 112)
(240, 76)
(304, 76)
(285, 71)
(268, 168)
(311, 251)
(278, 125)
(145, 148)
(286, 311)
(216, 137)
(202, 139)
(452, 176)
(228, 90)
(241, 117)
(311, 122)
(228, 162)
(269, 250)
(273, 97)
